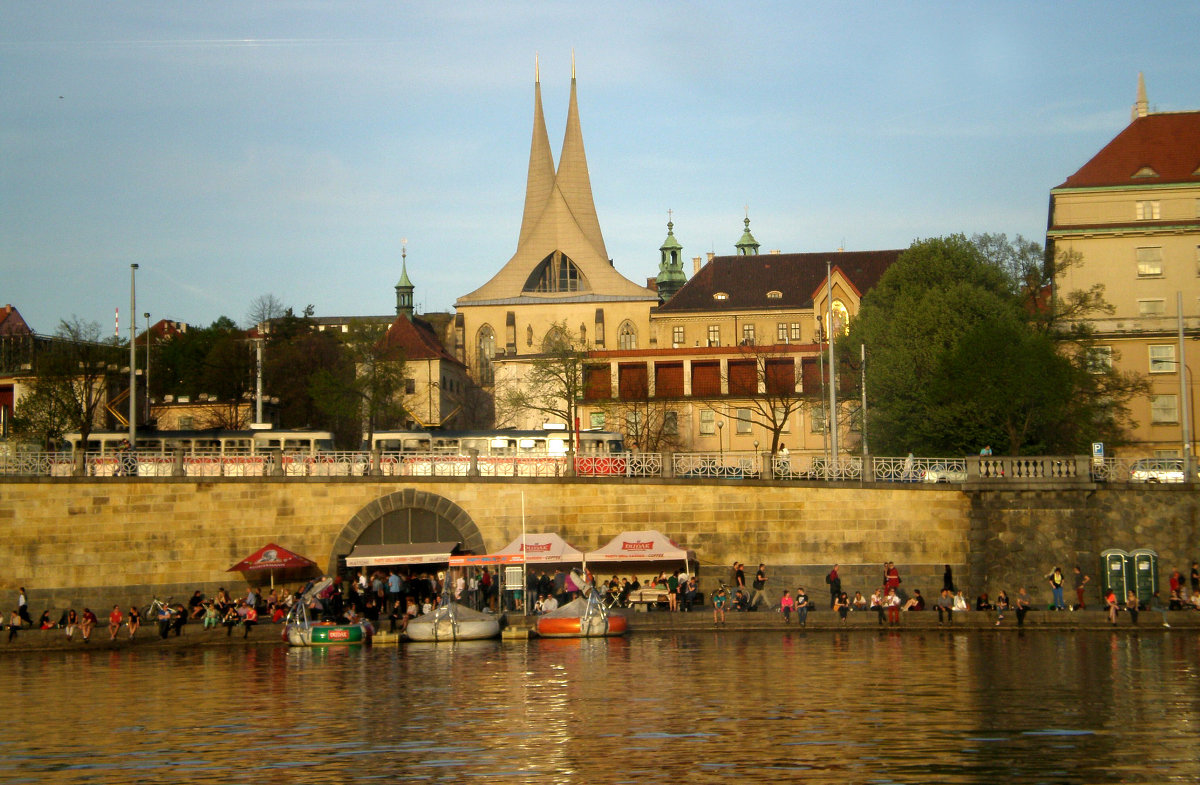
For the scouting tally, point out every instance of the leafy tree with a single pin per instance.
(71, 384)
(969, 344)
(369, 381)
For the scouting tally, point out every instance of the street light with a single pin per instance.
(147, 315)
(132, 356)
(721, 442)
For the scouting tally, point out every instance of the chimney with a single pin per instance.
(695, 264)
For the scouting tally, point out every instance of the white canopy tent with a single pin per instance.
(543, 548)
(648, 546)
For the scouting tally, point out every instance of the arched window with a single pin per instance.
(486, 345)
(556, 340)
(626, 336)
(841, 318)
(556, 273)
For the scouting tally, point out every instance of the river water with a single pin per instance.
(848, 707)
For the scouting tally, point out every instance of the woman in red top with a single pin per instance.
(1110, 599)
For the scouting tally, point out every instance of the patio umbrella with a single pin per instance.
(272, 557)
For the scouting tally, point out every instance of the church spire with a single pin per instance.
(1141, 107)
(540, 181)
(572, 179)
(747, 246)
(671, 276)
(404, 287)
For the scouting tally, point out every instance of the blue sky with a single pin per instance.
(239, 149)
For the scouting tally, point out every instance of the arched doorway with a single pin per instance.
(407, 516)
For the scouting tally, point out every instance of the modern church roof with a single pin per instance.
(560, 253)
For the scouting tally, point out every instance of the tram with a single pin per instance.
(498, 453)
(214, 442)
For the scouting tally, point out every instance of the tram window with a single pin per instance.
(325, 445)
(556, 446)
(416, 445)
(237, 445)
(527, 445)
(615, 445)
(475, 444)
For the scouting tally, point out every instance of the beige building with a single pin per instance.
(560, 273)
(1132, 213)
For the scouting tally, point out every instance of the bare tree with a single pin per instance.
(767, 382)
(264, 308)
(70, 384)
(549, 383)
(649, 425)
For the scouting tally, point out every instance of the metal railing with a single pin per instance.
(692, 465)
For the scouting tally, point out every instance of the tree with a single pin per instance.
(969, 345)
(649, 425)
(766, 381)
(264, 308)
(549, 383)
(70, 385)
(369, 380)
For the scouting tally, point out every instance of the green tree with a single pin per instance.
(549, 383)
(367, 385)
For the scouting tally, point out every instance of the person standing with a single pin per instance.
(1080, 581)
(739, 578)
(835, 585)
(948, 581)
(114, 622)
(760, 585)
(23, 607)
(891, 578)
(1056, 587)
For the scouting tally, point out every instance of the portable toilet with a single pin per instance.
(1141, 574)
(1113, 572)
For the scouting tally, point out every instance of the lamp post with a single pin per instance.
(132, 355)
(147, 315)
(721, 442)
(833, 413)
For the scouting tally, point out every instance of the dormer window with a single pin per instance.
(1146, 171)
(720, 295)
(774, 294)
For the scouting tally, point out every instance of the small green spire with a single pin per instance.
(404, 288)
(671, 277)
(747, 246)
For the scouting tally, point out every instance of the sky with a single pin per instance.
(239, 149)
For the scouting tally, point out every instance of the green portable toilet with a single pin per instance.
(1112, 572)
(1141, 574)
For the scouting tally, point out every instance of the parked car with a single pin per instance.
(941, 472)
(1157, 470)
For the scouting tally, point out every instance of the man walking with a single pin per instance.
(1080, 581)
(760, 584)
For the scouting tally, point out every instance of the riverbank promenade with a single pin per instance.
(658, 622)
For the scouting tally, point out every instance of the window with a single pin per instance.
(841, 318)
(556, 273)
(1162, 359)
(670, 423)
(1147, 210)
(816, 419)
(795, 328)
(626, 336)
(1165, 454)
(633, 423)
(743, 421)
(1164, 409)
(1099, 359)
(486, 343)
(596, 421)
(1152, 307)
(410, 386)
(781, 332)
(774, 294)
(708, 422)
(781, 417)
(1149, 262)
(720, 295)
(187, 423)
(677, 336)
(714, 335)
(747, 335)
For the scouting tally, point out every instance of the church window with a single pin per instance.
(486, 344)
(556, 273)
(626, 336)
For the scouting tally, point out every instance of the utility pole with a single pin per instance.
(132, 356)
(833, 413)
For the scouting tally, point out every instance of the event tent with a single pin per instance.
(544, 548)
(646, 546)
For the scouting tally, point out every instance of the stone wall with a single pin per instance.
(105, 540)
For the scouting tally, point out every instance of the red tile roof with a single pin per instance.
(1169, 144)
(11, 322)
(417, 340)
(747, 279)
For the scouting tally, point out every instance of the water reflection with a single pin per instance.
(823, 707)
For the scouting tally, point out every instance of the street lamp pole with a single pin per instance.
(833, 412)
(147, 315)
(1184, 392)
(721, 443)
(132, 355)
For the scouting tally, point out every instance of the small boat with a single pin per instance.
(451, 621)
(585, 617)
(300, 630)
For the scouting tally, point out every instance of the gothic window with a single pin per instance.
(556, 340)
(486, 344)
(626, 336)
(556, 273)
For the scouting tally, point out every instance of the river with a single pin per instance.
(837, 707)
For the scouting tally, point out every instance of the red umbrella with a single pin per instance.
(272, 557)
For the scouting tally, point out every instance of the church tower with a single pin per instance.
(560, 273)
(671, 276)
(747, 246)
(404, 287)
